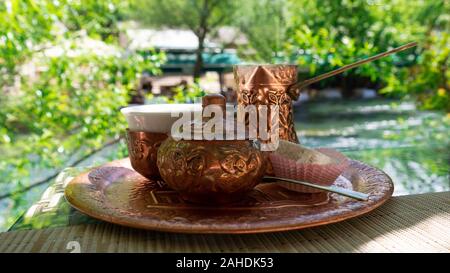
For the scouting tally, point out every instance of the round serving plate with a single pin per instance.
(115, 193)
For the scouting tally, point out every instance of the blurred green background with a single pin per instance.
(66, 69)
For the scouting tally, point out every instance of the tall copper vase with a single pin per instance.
(270, 85)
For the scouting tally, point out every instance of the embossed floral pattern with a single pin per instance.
(239, 162)
(210, 170)
(270, 85)
(142, 149)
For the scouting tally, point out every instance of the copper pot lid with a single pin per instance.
(206, 126)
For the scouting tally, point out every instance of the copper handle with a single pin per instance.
(295, 89)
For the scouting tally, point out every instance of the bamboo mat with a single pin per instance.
(414, 223)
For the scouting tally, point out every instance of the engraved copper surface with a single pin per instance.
(117, 194)
(142, 150)
(218, 171)
(211, 171)
(269, 85)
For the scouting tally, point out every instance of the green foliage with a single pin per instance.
(19, 17)
(192, 14)
(98, 18)
(27, 24)
(429, 79)
(69, 107)
(328, 34)
(188, 94)
(264, 24)
(324, 35)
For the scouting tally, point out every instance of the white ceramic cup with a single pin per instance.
(156, 118)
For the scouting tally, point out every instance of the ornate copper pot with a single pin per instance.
(277, 84)
(270, 85)
(211, 171)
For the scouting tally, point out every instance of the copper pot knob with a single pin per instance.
(214, 99)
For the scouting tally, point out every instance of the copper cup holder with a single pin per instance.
(143, 149)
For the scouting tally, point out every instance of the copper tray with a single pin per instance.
(116, 193)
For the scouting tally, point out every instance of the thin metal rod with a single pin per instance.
(338, 190)
(303, 84)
